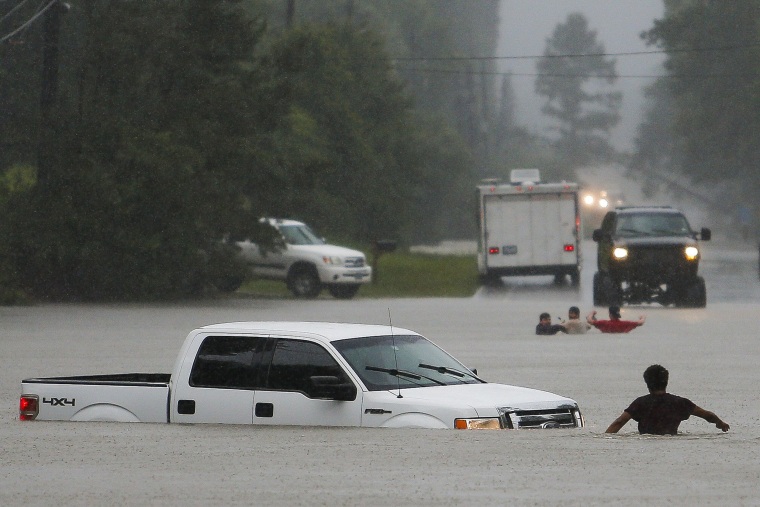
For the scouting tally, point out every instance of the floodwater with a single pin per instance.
(712, 354)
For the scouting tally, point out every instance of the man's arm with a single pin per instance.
(619, 422)
(710, 417)
(642, 319)
(591, 318)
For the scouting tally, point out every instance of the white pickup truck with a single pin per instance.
(305, 262)
(302, 373)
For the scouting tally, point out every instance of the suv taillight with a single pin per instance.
(28, 407)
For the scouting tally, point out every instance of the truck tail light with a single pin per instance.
(493, 250)
(569, 248)
(28, 407)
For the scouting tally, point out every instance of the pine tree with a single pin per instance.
(584, 112)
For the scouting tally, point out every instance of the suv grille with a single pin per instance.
(641, 256)
(551, 418)
(354, 262)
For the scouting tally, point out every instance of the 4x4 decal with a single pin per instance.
(59, 402)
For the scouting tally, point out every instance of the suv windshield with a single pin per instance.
(652, 224)
(395, 362)
(299, 235)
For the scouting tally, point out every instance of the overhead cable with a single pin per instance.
(14, 9)
(29, 22)
(575, 55)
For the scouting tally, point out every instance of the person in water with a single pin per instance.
(614, 324)
(659, 412)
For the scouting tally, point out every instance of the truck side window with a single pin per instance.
(294, 362)
(231, 362)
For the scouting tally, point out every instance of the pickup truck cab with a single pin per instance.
(305, 262)
(302, 373)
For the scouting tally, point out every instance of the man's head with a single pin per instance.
(545, 318)
(614, 312)
(574, 312)
(656, 377)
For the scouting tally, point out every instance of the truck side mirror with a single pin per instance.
(331, 387)
(597, 235)
(705, 234)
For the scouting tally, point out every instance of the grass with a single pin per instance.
(399, 274)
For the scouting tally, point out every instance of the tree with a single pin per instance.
(713, 86)
(164, 108)
(584, 114)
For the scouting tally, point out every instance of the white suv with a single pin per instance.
(306, 263)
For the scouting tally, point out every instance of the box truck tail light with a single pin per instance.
(569, 248)
(493, 250)
(28, 407)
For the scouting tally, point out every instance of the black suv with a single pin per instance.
(648, 254)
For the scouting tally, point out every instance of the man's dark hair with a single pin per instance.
(615, 312)
(656, 377)
(544, 316)
(574, 309)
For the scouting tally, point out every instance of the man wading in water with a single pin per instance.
(660, 413)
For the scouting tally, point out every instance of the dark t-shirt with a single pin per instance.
(660, 414)
(549, 328)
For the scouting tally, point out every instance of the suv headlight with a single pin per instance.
(620, 253)
(691, 253)
(334, 261)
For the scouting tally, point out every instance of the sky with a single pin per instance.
(526, 24)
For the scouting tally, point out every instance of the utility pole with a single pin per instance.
(290, 12)
(51, 30)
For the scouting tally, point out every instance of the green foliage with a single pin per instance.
(348, 131)
(178, 123)
(400, 274)
(416, 275)
(713, 90)
(145, 176)
(584, 114)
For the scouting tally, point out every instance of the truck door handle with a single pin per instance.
(186, 407)
(264, 410)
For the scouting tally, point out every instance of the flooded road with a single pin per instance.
(712, 355)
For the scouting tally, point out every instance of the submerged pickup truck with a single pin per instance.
(302, 373)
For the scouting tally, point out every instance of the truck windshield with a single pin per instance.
(652, 224)
(393, 362)
(300, 235)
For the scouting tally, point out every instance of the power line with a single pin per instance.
(28, 22)
(596, 76)
(575, 55)
(14, 9)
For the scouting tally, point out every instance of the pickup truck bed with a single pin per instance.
(132, 397)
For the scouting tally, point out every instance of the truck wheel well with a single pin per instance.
(301, 267)
(105, 412)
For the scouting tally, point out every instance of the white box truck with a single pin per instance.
(529, 228)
